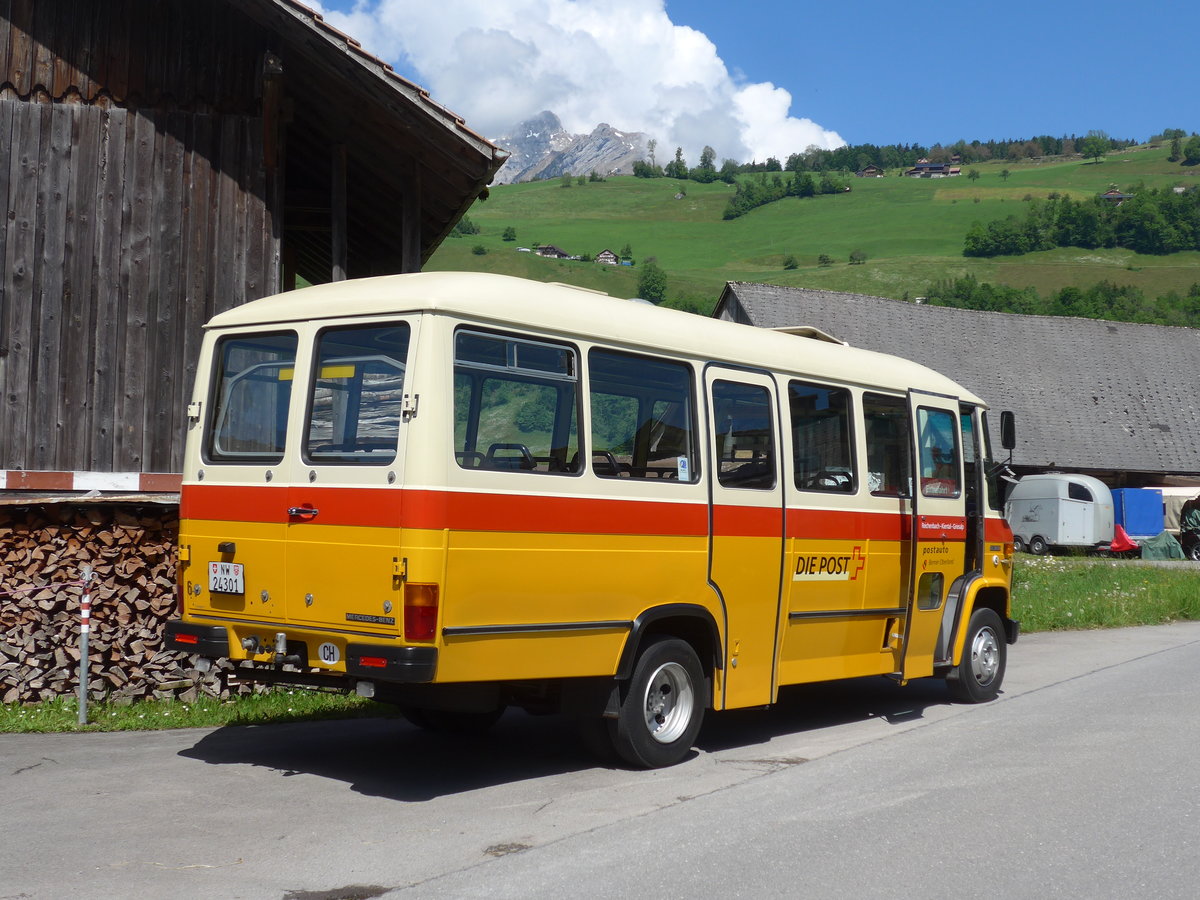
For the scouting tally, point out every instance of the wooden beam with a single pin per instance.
(337, 215)
(410, 228)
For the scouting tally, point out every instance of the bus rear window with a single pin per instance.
(357, 397)
(250, 402)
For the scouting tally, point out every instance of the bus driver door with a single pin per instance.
(746, 529)
(938, 525)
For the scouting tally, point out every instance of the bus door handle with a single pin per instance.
(303, 512)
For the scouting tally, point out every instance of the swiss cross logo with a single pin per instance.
(213, 568)
(858, 561)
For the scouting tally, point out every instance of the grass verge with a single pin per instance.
(269, 708)
(1049, 594)
(1055, 593)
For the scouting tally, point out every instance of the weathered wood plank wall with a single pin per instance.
(125, 232)
(135, 206)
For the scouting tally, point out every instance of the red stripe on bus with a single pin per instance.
(392, 507)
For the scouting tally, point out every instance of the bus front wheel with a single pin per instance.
(663, 706)
(977, 678)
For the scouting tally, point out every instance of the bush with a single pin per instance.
(479, 250)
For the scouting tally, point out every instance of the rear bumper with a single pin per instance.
(377, 662)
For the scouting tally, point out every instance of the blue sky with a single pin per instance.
(769, 78)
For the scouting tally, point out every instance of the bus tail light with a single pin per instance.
(420, 611)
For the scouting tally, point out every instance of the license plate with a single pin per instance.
(226, 578)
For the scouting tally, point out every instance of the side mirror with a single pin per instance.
(1008, 430)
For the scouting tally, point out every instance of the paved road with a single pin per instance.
(1082, 780)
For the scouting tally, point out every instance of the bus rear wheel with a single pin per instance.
(977, 678)
(663, 706)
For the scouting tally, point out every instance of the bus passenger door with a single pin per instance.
(745, 529)
(939, 525)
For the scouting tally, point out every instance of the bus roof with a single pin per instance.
(505, 301)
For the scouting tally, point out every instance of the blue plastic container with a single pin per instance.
(1139, 511)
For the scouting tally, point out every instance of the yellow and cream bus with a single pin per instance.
(461, 492)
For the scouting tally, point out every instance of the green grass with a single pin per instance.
(1049, 594)
(912, 231)
(269, 708)
(1059, 593)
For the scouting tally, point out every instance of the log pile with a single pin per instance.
(132, 553)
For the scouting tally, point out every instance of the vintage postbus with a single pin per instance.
(461, 492)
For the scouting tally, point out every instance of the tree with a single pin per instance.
(479, 250)
(824, 260)
(790, 262)
(1176, 150)
(510, 234)
(973, 174)
(627, 251)
(1004, 173)
(858, 257)
(1095, 145)
(566, 179)
(1191, 151)
(652, 283)
(676, 168)
(706, 172)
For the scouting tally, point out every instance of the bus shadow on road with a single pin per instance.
(390, 758)
(812, 707)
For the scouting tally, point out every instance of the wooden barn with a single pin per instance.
(164, 160)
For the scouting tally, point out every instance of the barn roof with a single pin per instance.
(1088, 394)
(392, 130)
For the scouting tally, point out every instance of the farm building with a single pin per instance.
(1110, 399)
(166, 161)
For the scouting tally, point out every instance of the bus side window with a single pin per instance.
(888, 455)
(516, 404)
(744, 436)
(822, 459)
(938, 433)
(641, 414)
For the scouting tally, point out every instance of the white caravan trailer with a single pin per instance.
(1059, 510)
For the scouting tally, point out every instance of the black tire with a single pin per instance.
(662, 706)
(1018, 545)
(446, 721)
(1038, 545)
(977, 678)
(1191, 549)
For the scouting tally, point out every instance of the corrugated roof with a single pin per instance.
(1088, 394)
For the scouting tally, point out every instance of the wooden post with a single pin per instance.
(410, 227)
(339, 251)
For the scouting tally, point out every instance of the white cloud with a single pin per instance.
(497, 62)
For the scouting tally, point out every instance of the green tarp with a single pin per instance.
(1164, 546)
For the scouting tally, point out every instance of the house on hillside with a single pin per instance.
(926, 169)
(1115, 197)
(551, 252)
(164, 162)
(871, 171)
(1097, 397)
(608, 258)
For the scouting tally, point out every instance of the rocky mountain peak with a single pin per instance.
(541, 148)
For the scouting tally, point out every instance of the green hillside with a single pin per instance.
(911, 231)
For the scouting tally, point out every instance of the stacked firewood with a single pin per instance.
(131, 550)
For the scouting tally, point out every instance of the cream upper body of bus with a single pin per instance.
(457, 492)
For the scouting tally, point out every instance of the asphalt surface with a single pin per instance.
(1081, 780)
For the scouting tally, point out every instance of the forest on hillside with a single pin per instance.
(1152, 221)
